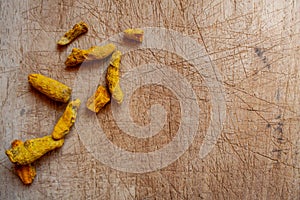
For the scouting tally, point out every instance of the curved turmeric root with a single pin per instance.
(77, 30)
(112, 77)
(78, 56)
(66, 121)
(31, 150)
(98, 100)
(25, 172)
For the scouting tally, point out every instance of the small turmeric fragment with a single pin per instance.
(66, 121)
(77, 30)
(25, 172)
(98, 100)
(112, 77)
(31, 150)
(50, 87)
(16, 143)
(134, 34)
(77, 56)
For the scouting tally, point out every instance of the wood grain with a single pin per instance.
(255, 46)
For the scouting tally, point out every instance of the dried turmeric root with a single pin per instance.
(98, 100)
(134, 34)
(66, 121)
(77, 56)
(77, 30)
(25, 172)
(50, 87)
(31, 150)
(112, 77)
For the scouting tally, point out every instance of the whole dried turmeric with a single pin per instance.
(77, 30)
(50, 87)
(25, 172)
(66, 121)
(112, 77)
(77, 56)
(134, 34)
(31, 150)
(98, 100)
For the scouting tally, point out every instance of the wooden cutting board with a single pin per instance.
(211, 106)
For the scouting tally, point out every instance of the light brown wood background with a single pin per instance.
(255, 46)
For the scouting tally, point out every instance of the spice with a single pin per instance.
(77, 30)
(31, 150)
(112, 77)
(16, 143)
(134, 34)
(50, 87)
(66, 121)
(98, 100)
(77, 56)
(25, 172)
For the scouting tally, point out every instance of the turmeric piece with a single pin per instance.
(50, 87)
(31, 150)
(134, 34)
(112, 77)
(77, 56)
(77, 30)
(25, 172)
(66, 121)
(98, 100)
(16, 143)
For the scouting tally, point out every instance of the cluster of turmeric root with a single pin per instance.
(23, 154)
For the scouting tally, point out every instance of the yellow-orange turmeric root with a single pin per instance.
(77, 56)
(25, 172)
(134, 34)
(98, 100)
(31, 150)
(77, 30)
(112, 77)
(50, 87)
(66, 121)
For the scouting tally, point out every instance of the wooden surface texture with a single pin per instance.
(251, 46)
